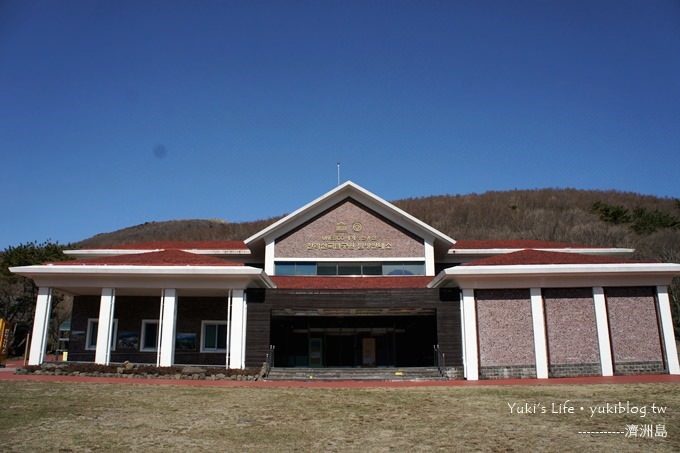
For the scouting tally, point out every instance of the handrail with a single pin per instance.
(440, 361)
(269, 360)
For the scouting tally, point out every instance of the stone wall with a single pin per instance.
(349, 230)
(634, 329)
(506, 338)
(571, 331)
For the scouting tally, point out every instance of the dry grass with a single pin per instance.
(40, 416)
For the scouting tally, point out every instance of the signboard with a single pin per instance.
(5, 334)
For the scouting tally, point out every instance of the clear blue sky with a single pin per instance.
(117, 113)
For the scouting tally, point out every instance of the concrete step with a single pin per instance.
(355, 374)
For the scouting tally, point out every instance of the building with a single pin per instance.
(350, 280)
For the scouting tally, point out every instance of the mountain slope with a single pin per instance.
(545, 214)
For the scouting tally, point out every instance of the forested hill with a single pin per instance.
(649, 224)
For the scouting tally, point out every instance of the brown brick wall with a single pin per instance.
(130, 311)
(571, 326)
(354, 244)
(505, 328)
(633, 325)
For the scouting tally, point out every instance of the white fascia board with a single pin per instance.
(53, 272)
(102, 253)
(501, 251)
(348, 189)
(554, 274)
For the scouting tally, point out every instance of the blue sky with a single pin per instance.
(117, 113)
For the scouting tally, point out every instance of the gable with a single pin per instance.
(349, 230)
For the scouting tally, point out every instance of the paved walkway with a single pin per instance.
(7, 374)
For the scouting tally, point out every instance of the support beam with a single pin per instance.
(469, 321)
(540, 343)
(603, 340)
(668, 337)
(41, 323)
(237, 341)
(429, 257)
(107, 304)
(166, 328)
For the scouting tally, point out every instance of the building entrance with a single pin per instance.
(366, 340)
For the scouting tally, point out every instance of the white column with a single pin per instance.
(462, 334)
(166, 328)
(603, 331)
(671, 349)
(469, 321)
(41, 323)
(540, 344)
(107, 304)
(429, 257)
(237, 342)
(269, 252)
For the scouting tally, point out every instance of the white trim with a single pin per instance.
(103, 253)
(237, 342)
(540, 343)
(88, 334)
(670, 347)
(556, 275)
(105, 329)
(213, 322)
(469, 321)
(429, 257)
(269, 256)
(359, 194)
(603, 340)
(146, 322)
(608, 251)
(165, 355)
(41, 322)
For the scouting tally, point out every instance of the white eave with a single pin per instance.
(103, 253)
(556, 275)
(361, 195)
(609, 251)
(127, 275)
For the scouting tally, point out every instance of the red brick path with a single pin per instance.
(7, 374)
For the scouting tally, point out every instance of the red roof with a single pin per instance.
(161, 258)
(516, 244)
(346, 282)
(528, 257)
(178, 245)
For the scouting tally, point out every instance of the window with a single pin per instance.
(293, 268)
(404, 268)
(213, 336)
(91, 337)
(149, 335)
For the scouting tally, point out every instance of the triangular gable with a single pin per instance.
(362, 196)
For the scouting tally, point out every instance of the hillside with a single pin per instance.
(649, 224)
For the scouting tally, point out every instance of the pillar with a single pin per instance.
(167, 322)
(603, 340)
(102, 355)
(664, 309)
(41, 323)
(469, 321)
(540, 344)
(237, 330)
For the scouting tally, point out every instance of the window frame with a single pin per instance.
(213, 322)
(142, 346)
(88, 334)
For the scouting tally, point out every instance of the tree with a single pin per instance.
(18, 294)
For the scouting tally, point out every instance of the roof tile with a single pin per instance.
(160, 258)
(540, 257)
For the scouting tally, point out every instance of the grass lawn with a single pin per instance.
(40, 416)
